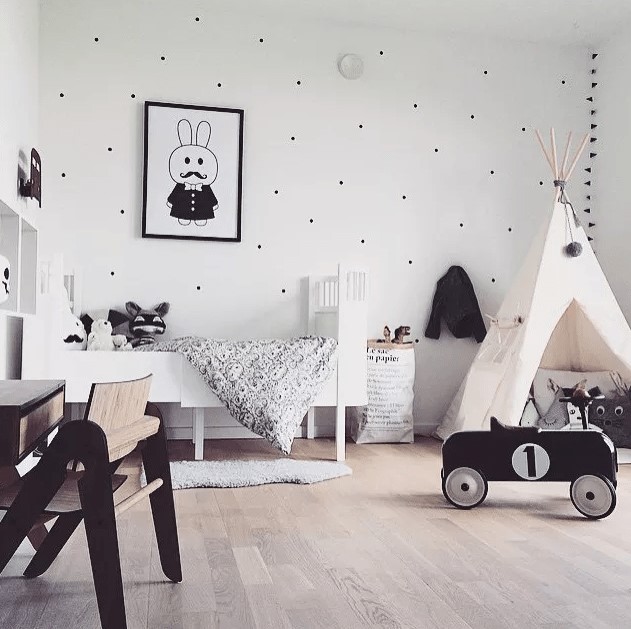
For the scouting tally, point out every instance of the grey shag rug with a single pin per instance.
(244, 473)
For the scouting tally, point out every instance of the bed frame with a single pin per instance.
(334, 306)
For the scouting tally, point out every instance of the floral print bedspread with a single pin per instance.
(267, 385)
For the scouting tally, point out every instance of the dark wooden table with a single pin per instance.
(29, 411)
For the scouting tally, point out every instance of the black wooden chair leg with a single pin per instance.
(97, 503)
(156, 462)
(40, 485)
(56, 539)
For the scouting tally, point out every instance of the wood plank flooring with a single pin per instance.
(378, 549)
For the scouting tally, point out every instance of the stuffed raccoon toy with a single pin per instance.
(145, 324)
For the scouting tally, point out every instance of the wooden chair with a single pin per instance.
(117, 418)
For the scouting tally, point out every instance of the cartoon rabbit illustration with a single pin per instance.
(194, 168)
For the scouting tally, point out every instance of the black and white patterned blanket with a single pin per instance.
(267, 385)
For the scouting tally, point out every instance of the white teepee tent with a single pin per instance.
(560, 313)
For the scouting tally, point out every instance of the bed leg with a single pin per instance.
(198, 433)
(340, 433)
(311, 423)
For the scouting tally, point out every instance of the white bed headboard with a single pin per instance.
(338, 307)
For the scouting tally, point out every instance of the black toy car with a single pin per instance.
(585, 458)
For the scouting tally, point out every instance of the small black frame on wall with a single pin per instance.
(193, 158)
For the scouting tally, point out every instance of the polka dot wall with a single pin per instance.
(425, 161)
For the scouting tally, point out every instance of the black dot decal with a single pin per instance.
(109, 148)
(416, 340)
(435, 150)
(563, 82)
(199, 288)
(218, 84)
(363, 241)
(122, 211)
(259, 247)
(96, 39)
(293, 137)
(133, 95)
(404, 197)
(163, 58)
(415, 105)
(261, 40)
(492, 172)
(112, 273)
(283, 291)
(275, 191)
(361, 126)
(541, 183)
(197, 19)
(341, 183)
(493, 280)
(461, 224)
(297, 82)
(486, 72)
(63, 174)
(381, 52)
(311, 220)
(510, 229)
(472, 116)
(523, 128)
(409, 261)
(61, 94)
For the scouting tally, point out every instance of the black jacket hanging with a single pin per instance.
(456, 303)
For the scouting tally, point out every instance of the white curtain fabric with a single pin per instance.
(570, 321)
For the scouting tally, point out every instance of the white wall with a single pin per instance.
(473, 96)
(611, 209)
(19, 106)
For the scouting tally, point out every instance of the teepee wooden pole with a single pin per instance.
(581, 148)
(566, 156)
(553, 142)
(543, 148)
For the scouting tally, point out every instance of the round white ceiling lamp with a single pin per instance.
(351, 66)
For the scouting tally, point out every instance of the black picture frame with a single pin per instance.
(148, 204)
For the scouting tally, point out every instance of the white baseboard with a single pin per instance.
(238, 432)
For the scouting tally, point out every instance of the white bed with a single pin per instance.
(335, 306)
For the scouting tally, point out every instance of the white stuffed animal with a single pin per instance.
(101, 338)
(72, 330)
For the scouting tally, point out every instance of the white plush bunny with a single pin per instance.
(193, 167)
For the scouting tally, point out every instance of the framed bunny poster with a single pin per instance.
(192, 172)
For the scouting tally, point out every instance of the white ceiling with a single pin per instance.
(580, 22)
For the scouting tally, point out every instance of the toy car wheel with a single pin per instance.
(465, 487)
(593, 496)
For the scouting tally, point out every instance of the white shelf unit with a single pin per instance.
(19, 243)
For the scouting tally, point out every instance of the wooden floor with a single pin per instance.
(378, 549)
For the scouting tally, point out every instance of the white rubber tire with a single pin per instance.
(593, 496)
(465, 487)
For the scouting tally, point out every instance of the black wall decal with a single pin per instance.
(61, 94)
(63, 174)
(133, 95)
(122, 211)
(199, 288)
